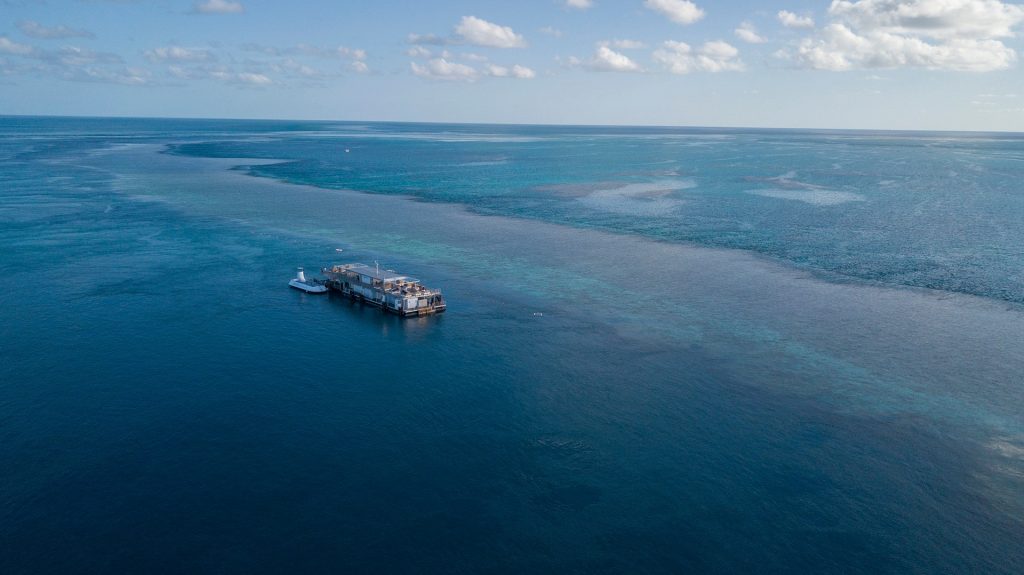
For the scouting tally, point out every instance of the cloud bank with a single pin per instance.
(178, 54)
(716, 56)
(37, 30)
(445, 69)
(963, 35)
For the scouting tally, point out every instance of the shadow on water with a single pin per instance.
(367, 318)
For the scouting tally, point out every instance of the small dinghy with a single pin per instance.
(300, 282)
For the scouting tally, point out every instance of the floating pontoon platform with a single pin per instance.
(385, 289)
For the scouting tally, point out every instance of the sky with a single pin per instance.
(861, 64)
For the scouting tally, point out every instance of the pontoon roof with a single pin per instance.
(383, 275)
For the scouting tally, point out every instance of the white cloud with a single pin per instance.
(218, 7)
(473, 30)
(179, 72)
(516, 71)
(418, 52)
(445, 69)
(609, 60)
(250, 78)
(570, 63)
(935, 34)
(553, 32)
(69, 63)
(748, 34)
(791, 20)
(37, 30)
(73, 56)
(579, 4)
(243, 78)
(10, 47)
(349, 53)
(273, 65)
(441, 69)
(625, 44)
(329, 53)
(430, 39)
(291, 67)
(179, 54)
(477, 32)
(840, 48)
(127, 76)
(678, 11)
(355, 57)
(938, 19)
(716, 56)
(997, 103)
(354, 53)
(523, 72)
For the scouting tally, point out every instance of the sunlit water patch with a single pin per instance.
(898, 196)
(817, 197)
(641, 200)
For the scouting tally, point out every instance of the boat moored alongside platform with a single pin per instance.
(300, 282)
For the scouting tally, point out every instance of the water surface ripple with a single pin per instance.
(603, 395)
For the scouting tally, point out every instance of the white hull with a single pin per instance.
(307, 287)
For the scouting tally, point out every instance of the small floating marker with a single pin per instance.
(538, 314)
(339, 250)
(347, 150)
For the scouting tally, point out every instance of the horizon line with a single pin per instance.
(524, 124)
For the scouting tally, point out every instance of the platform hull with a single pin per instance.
(343, 289)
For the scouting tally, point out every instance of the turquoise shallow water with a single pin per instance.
(604, 395)
(937, 210)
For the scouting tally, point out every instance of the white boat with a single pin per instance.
(300, 282)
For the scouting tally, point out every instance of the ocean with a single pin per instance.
(666, 349)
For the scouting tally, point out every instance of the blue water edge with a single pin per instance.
(666, 350)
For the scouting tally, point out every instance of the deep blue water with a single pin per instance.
(666, 350)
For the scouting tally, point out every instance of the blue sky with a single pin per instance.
(897, 64)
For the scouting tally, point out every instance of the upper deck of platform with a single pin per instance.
(372, 272)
